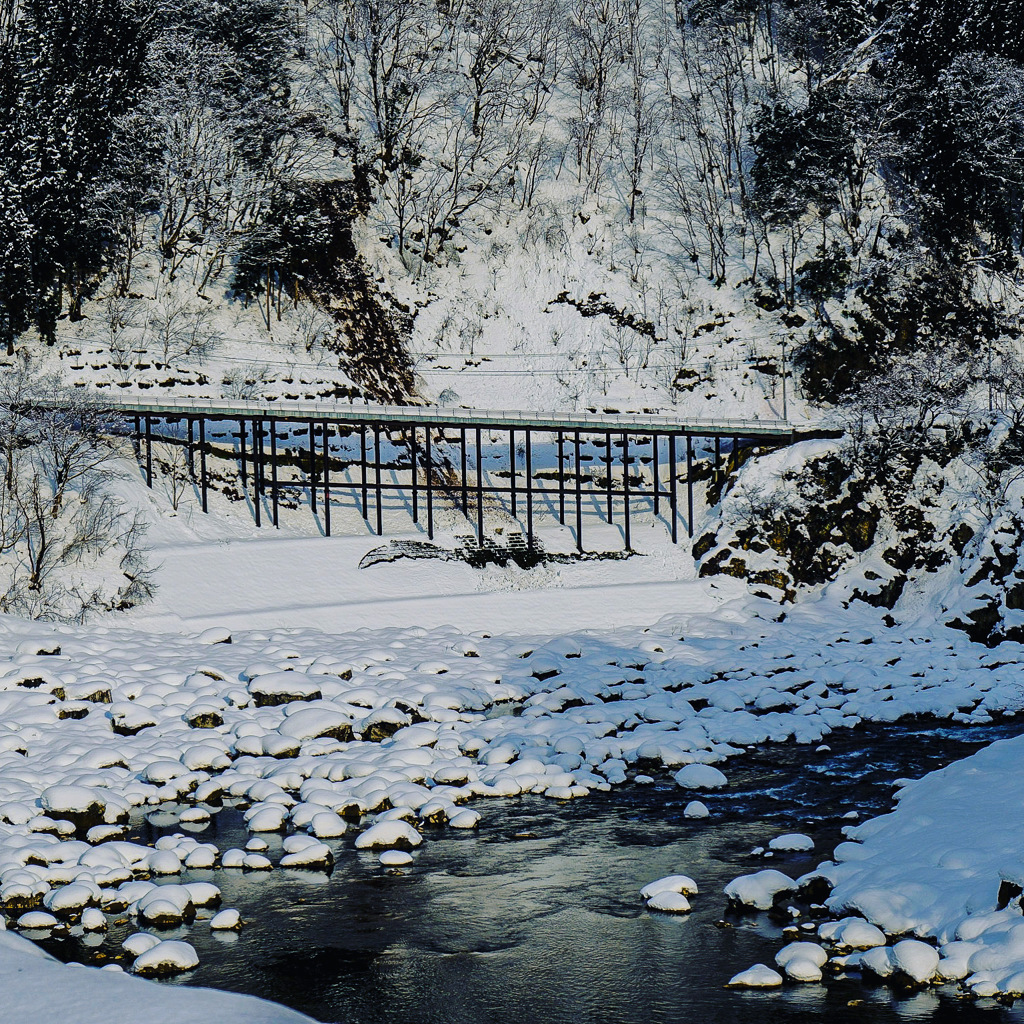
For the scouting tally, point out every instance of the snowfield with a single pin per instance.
(40, 989)
(382, 732)
(947, 865)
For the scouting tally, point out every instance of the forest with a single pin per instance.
(856, 166)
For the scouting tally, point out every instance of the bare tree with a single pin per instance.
(183, 329)
(67, 546)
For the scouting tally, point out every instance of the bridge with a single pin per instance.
(609, 464)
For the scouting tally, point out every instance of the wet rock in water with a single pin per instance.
(138, 942)
(327, 825)
(165, 958)
(759, 890)
(37, 920)
(94, 920)
(700, 776)
(83, 806)
(851, 933)
(758, 976)
(916, 960)
(792, 842)
(670, 883)
(306, 852)
(226, 921)
(669, 903)
(802, 961)
(398, 834)
(395, 859)
(814, 888)
(465, 818)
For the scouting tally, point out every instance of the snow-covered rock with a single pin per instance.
(389, 833)
(758, 976)
(700, 776)
(172, 956)
(758, 890)
(852, 933)
(792, 842)
(226, 920)
(670, 883)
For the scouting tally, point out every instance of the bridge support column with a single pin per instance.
(608, 478)
(430, 486)
(376, 478)
(273, 472)
(512, 470)
(689, 485)
(672, 485)
(327, 480)
(137, 439)
(462, 456)
(312, 468)
(149, 451)
(625, 490)
(579, 493)
(529, 489)
(191, 448)
(657, 482)
(414, 455)
(561, 478)
(257, 469)
(479, 491)
(363, 471)
(718, 461)
(202, 460)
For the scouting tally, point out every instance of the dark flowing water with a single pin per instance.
(537, 917)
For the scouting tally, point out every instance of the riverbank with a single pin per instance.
(398, 732)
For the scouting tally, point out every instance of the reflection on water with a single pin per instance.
(537, 917)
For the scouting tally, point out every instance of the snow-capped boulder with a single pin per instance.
(169, 957)
(758, 890)
(700, 776)
(758, 976)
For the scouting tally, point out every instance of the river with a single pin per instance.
(537, 916)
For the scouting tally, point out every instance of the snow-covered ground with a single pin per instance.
(323, 733)
(936, 867)
(474, 685)
(927, 894)
(40, 989)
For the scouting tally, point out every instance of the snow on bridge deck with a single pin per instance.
(433, 415)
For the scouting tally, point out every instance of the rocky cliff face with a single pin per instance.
(941, 526)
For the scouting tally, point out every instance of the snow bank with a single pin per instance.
(936, 867)
(365, 734)
(40, 989)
